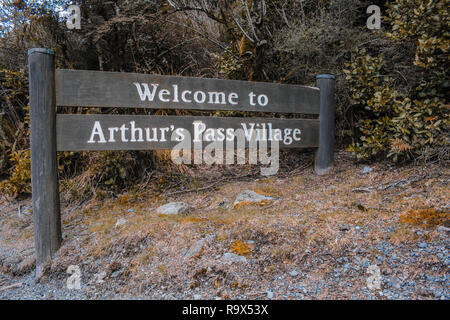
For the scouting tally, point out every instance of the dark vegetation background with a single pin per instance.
(391, 84)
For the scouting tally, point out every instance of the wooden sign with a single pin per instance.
(116, 132)
(50, 132)
(116, 89)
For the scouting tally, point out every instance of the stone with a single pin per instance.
(232, 258)
(293, 273)
(197, 296)
(269, 295)
(422, 245)
(173, 208)
(120, 222)
(100, 277)
(443, 229)
(249, 196)
(366, 170)
(115, 274)
(195, 249)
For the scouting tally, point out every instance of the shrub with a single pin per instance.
(20, 180)
(399, 123)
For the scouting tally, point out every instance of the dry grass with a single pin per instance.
(312, 222)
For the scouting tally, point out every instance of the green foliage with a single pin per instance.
(394, 125)
(427, 24)
(397, 123)
(20, 180)
(14, 116)
(230, 66)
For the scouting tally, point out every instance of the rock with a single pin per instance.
(120, 222)
(130, 210)
(367, 169)
(269, 295)
(232, 258)
(394, 283)
(422, 245)
(195, 249)
(100, 277)
(26, 266)
(197, 296)
(249, 196)
(293, 273)
(174, 208)
(443, 229)
(115, 274)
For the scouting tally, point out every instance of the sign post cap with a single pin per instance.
(41, 50)
(325, 76)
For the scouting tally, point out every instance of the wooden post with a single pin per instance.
(325, 152)
(44, 168)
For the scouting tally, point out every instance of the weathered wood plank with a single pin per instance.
(115, 89)
(325, 153)
(75, 131)
(44, 166)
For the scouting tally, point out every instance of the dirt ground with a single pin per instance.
(320, 237)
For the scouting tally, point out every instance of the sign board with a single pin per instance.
(51, 132)
(117, 89)
(143, 132)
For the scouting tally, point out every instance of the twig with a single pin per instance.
(249, 19)
(368, 190)
(177, 45)
(194, 190)
(207, 187)
(204, 36)
(13, 286)
(391, 184)
(296, 170)
(242, 29)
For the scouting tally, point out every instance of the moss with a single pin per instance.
(268, 191)
(425, 218)
(247, 203)
(20, 180)
(240, 248)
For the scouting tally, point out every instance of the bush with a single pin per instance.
(20, 180)
(400, 123)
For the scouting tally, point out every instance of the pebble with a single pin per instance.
(232, 258)
(251, 196)
(422, 245)
(366, 170)
(121, 222)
